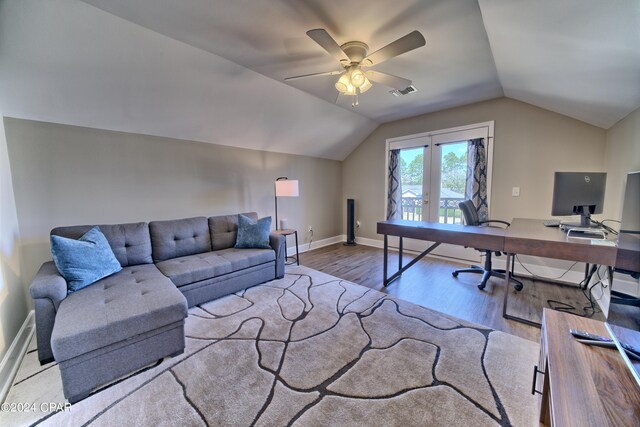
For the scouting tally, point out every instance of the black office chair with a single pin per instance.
(471, 218)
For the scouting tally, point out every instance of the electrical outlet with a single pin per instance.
(309, 229)
(515, 191)
(358, 224)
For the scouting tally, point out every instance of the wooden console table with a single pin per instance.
(581, 385)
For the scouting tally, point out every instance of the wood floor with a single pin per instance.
(429, 283)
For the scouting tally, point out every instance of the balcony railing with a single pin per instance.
(449, 211)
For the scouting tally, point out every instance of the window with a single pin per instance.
(433, 173)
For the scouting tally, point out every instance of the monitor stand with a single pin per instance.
(585, 218)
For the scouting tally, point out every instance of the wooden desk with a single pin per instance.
(530, 237)
(582, 385)
(628, 255)
(482, 237)
(524, 236)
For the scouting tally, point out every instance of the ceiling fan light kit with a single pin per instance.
(353, 82)
(353, 56)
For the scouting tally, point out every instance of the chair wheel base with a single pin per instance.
(454, 274)
(517, 287)
(481, 286)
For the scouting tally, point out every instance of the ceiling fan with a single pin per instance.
(353, 56)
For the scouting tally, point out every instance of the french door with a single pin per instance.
(433, 175)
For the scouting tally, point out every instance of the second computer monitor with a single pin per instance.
(578, 193)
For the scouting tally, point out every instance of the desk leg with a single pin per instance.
(507, 281)
(384, 262)
(586, 276)
(400, 255)
(297, 253)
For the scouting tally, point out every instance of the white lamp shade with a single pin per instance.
(287, 188)
(357, 77)
(365, 86)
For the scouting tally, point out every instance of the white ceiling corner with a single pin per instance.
(580, 58)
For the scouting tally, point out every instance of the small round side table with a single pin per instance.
(289, 260)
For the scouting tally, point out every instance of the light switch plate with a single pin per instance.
(515, 191)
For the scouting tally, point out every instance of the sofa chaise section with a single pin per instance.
(118, 325)
(114, 326)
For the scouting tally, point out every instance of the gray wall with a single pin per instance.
(66, 175)
(622, 155)
(13, 300)
(529, 145)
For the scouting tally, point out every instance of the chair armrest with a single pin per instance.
(277, 242)
(49, 284)
(495, 220)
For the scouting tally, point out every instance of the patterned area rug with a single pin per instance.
(309, 349)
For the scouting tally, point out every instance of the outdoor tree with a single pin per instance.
(454, 168)
(454, 171)
(412, 173)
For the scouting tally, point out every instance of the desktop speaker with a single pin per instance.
(351, 223)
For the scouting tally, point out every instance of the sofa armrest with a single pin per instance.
(48, 290)
(48, 283)
(277, 242)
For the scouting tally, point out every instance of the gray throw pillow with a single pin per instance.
(253, 235)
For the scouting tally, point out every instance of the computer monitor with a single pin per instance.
(623, 319)
(578, 193)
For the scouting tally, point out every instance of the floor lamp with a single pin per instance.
(285, 187)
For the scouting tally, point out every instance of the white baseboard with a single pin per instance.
(304, 247)
(11, 361)
(367, 242)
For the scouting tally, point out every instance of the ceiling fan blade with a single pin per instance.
(388, 79)
(411, 41)
(327, 42)
(326, 73)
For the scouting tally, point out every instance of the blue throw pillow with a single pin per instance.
(253, 234)
(84, 261)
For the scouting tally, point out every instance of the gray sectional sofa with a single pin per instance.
(135, 317)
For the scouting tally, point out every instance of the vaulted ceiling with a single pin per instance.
(157, 67)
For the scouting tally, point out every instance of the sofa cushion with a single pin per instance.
(136, 300)
(130, 243)
(195, 268)
(245, 258)
(85, 260)
(253, 234)
(179, 237)
(224, 229)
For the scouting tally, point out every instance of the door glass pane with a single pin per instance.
(411, 178)
(453, 163)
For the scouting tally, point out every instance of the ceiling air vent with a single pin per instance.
(406, 91)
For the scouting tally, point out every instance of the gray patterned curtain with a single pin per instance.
(476, 187)
(394, 196)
